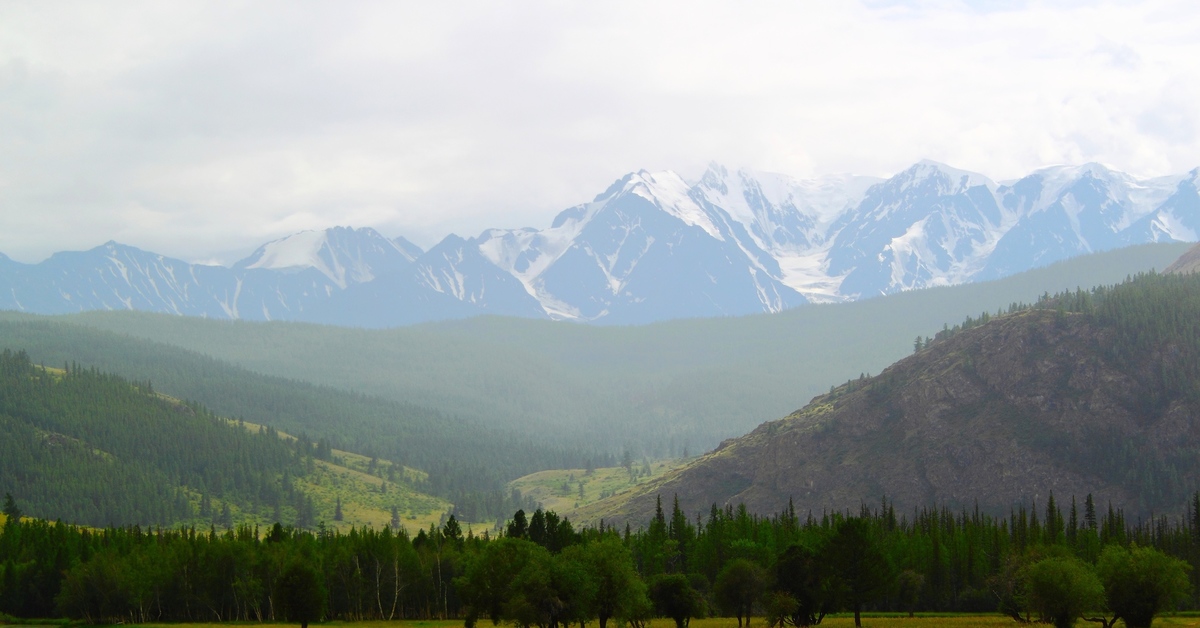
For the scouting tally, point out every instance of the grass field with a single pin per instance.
(834, 621)
(563, 490)
(367, 497)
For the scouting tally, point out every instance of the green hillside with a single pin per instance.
(466, 462)
(656, 389)
(87, 447)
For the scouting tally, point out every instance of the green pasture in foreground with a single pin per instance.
(834, 621)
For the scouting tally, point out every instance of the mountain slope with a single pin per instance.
(466, 461)
(642, 251)
(91, 448)
(1090, 393)
(652, 247)
(655, 389)
(282, 280)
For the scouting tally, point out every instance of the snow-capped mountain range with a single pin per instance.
(651, 247)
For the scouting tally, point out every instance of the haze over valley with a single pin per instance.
(576, 314)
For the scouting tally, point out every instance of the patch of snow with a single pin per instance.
(950, 180)
(1147, 195)
(1138, 198)
(670, 193)
(538, 250)
(1171, 228)
(121, 269)
(301, 250)
(807, 273)
(1072, 209)
(827, 198)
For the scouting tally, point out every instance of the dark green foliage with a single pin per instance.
(98, 592)
(302, 593)
(964, 562)
(908, 589)
(618, 592)
(486, 585)
(1141, 582)
(862, 572)
(1062, 589)
(803, 577)
(550, 591)
(11, 511)
(674, 597)
(738, 587)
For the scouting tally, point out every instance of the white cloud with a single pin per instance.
(203, 129)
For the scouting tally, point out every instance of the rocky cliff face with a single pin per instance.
(1002, 414)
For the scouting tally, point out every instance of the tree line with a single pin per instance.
(1050, 564)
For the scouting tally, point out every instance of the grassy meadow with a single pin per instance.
(562, 490)
(366, 494)
(833, 621)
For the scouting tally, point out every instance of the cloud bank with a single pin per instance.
(200, 130)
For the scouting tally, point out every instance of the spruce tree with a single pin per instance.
(11, 512)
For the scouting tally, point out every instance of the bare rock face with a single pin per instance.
(999, 415)
(1187, 263)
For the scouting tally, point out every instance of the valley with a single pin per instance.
(1059, 425)
(599, 315)
(585, 390)
(567, 490)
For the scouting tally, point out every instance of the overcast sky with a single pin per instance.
(200, 130)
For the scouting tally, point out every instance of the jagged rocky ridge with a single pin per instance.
(1100, 400)
(651, 247)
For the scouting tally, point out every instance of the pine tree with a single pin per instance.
(337, 510)
(11, 512)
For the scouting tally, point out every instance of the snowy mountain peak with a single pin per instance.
(670, 193)
(343, 254)
(949, 180)
(299, 250)
(652, 247)
(1057, 178)
(1136, 198)
(714, 178)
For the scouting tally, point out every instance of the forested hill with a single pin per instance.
(1086, 392)
(92, 448)
(468, 463)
